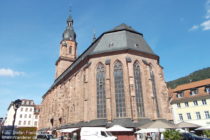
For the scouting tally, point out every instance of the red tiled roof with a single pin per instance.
(192, 85)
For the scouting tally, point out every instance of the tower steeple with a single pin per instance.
(68, 48)
(69, 33)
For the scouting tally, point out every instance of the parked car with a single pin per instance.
(46, 137)
(191, 136)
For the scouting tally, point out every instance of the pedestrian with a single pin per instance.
(161, 136)
(62, 137)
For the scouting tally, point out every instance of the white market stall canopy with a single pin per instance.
(68, 130)
(207, 127)
(150, 130)
(119, 128)
(186, 125)
(157, 124)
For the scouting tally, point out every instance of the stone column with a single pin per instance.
(85, 79)
(131, 88)
(108, 91)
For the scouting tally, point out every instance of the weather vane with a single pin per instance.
(70, 7)
(70, 10)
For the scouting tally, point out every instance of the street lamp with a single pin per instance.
(16, 104)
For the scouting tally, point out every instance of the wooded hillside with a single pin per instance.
(195, 76)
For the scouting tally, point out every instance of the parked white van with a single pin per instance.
(96, 133)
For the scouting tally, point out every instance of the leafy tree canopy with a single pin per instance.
(172, 135)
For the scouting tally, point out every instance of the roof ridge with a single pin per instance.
(193, 84)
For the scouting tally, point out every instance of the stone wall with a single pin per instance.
(75, 99)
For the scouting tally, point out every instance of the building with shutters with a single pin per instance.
(118, 79)
(191, 102)
(27, 114)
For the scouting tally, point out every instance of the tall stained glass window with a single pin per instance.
(138, 90)
(101, 96)
(119, 90)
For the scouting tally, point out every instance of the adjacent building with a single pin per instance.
(27, 114)
(191, 102)
(117, 79)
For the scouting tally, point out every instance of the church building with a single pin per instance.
(116, 80)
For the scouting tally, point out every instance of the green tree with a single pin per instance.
(172, 135)
(207, 133)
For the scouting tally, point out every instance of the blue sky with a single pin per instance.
(31, 30)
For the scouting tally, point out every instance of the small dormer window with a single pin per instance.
(180, 94)
(193, 91)
(111, 44)
(207, 89)
(137, 45)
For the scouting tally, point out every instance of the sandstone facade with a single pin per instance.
(74, 96)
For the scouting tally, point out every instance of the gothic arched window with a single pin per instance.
(101, 96)
(119, 90)
(138, 90)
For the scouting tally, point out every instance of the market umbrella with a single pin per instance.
(160, 123)
(119, 128)
(186, 125)
(207, 127)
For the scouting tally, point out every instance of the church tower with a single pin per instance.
(68, 49)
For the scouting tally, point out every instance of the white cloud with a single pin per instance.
(208, 14)
(205, 25)
(9, 72)
(208, 9)
(194, 27)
